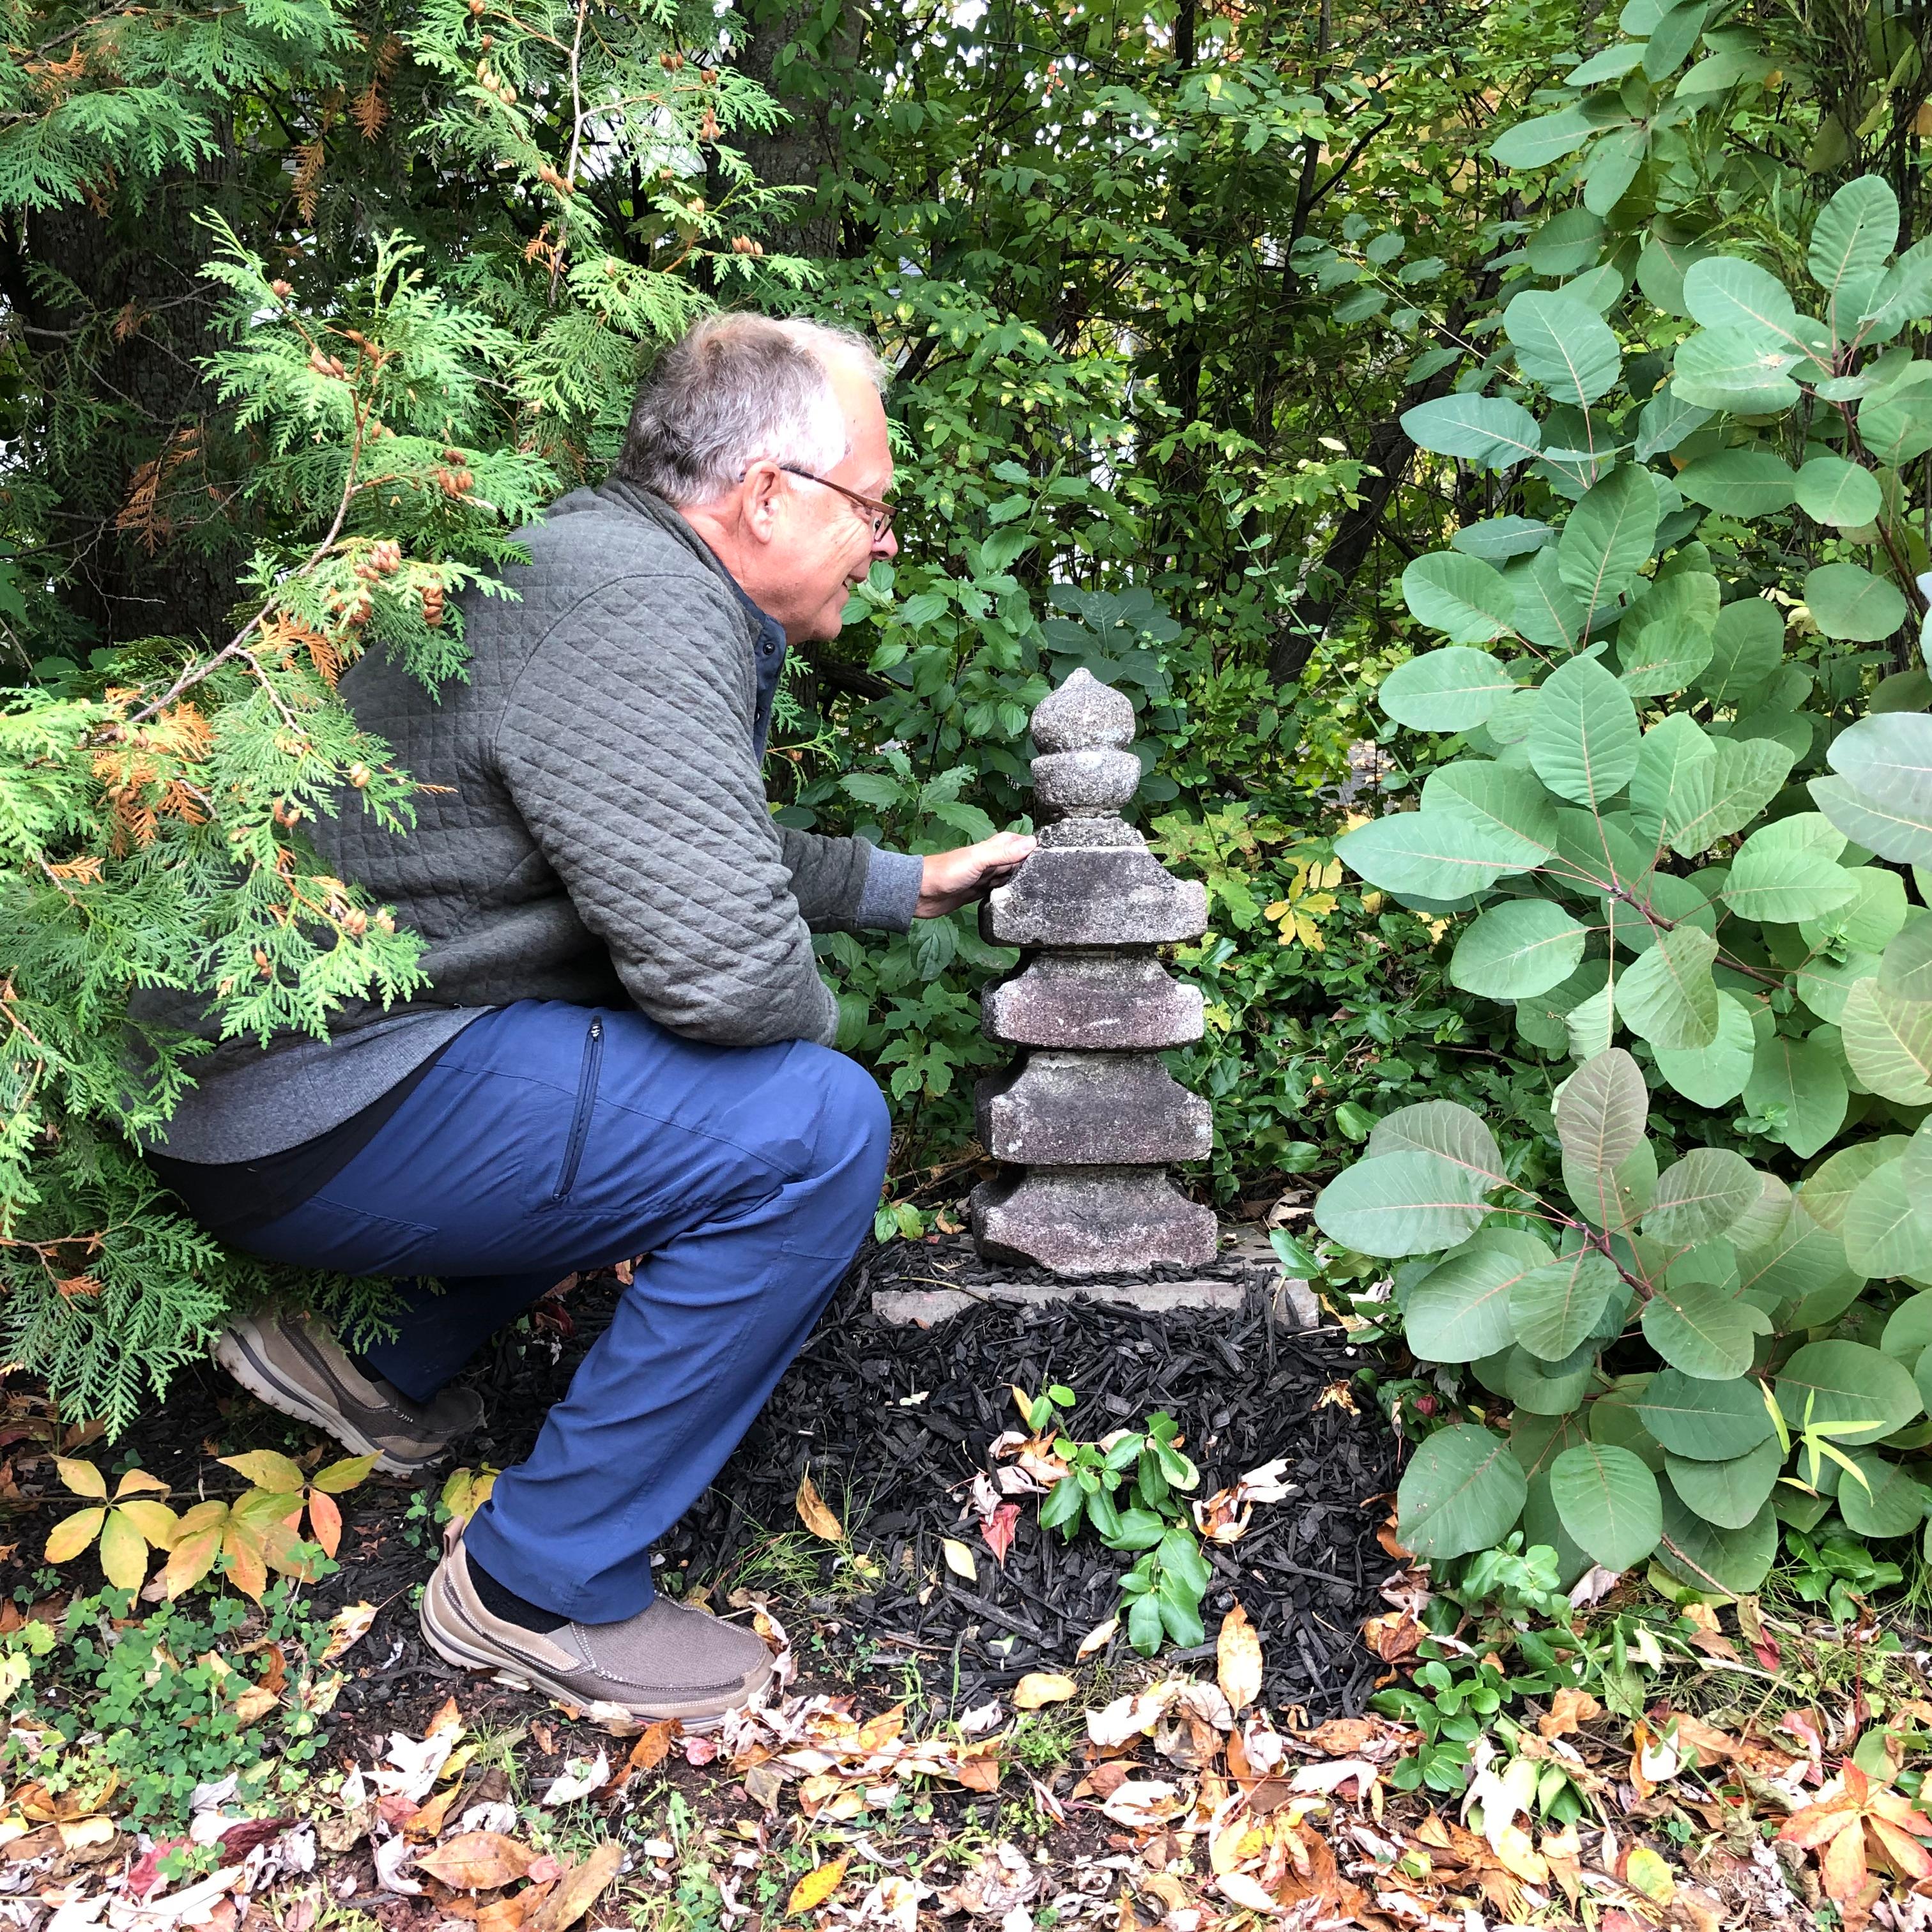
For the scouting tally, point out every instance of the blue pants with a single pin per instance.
(552, 1138)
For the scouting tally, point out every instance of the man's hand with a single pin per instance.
(970, 872)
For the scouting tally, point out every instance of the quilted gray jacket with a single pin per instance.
(605, 837)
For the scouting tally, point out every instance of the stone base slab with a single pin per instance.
(902, 1307)
(1080, 1221)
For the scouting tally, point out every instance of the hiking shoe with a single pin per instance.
(669, 1660)
(294, 1364)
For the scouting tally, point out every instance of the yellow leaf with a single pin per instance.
(959, 1559)
(1098, 1638)
(267, 1470)
(83, 1478)
(79, 1834)
(813, 1514)
(72, 1535)
(123, 1552)
(338, 1478)
(816, 1887)
(1647, 1873)
(247, 1562)
(135, 1482)
(1042, 1686)
(155, 1521)
(197, 1541)
(1238, 1659)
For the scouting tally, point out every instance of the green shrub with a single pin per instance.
(1699, 1289)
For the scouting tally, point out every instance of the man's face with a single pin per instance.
(822, 543)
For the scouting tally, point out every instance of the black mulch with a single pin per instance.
(895, 1470)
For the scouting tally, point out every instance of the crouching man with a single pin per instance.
(626, 1048)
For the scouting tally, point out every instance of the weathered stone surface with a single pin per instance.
(926, 1307)
(1082, 830)
(1083, 712)
(1086, 782)
(1090, 1109)
(1097, 1001)
(1088, 1221)
(1097, 895)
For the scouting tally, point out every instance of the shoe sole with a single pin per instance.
(260, 1378)
(442, 1626)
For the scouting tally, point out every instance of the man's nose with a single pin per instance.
(887, 546)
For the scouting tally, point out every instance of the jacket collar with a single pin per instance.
(647, 503)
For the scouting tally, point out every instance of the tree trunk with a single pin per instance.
(116, 312)
(803, 151)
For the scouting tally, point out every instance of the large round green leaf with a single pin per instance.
(1711, 1422)
(1465, 600)
(1460, 1311)
(1847, 601)
(1728, 1562)
(1730, 1493)
(1747, 645)
(1888, 757)
(1545, 138)
(1612, 1198)
(1548, 1388)
(1740, 482)
(1584, 740)
(1520, 947)
(1511, 812)
(1803, 1263)
(1732, 369)
(1789, 871)
(1724, 293)
(1451, 690)
(1603, 1110)
(1701, 1330)
(1883, 1233)
(1554, 1308)
(1888, 1042)
(1426, 852)
(1401, 1204)
(1893, 831)
(1563, 344)
(1714, 1075)
(1608, 1503)
(1444, 1127)
(1908, 1331)
(1664, 641)
(1798, 1088)
(1846, 1382)
(1827, 1190)
(1844, 495)
(1704, 1194)
(1907, 967)
(1607, 539)
(1668, 998)
(1853, 236)
(1888, 1503)
(1462, 1491)
(1486, 430)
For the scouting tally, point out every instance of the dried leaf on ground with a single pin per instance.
(1569, 1710)
(816, 1887)
(1237, 1660)
(959, 1559)
(477, 1862)
(578, 1889)
(1040, 1687)
(813, 1514)
(652, 1746)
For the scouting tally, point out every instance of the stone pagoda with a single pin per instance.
(1086, 1118)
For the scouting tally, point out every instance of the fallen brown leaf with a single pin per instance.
(477, 1862)
(1040, 1687)
(813, 1514)
(652, 1746)
(578, 1889)
(1569, 1710)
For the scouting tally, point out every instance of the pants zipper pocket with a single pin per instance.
(579, 1119)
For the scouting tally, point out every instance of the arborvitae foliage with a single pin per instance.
(394, 274)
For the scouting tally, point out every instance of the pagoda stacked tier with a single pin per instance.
(1086, 1119)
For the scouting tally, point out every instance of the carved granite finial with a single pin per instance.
(1083, 714)
(1088, 1119)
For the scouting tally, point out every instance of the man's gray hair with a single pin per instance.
(737, 387)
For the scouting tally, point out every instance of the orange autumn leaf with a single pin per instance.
(813, 1514)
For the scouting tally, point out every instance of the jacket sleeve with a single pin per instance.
(845, 885)
(627, 748)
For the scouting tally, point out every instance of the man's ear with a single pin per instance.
(758, 498)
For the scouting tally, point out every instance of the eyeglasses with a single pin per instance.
(878, 514)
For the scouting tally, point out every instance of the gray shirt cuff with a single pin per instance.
(890, 897)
